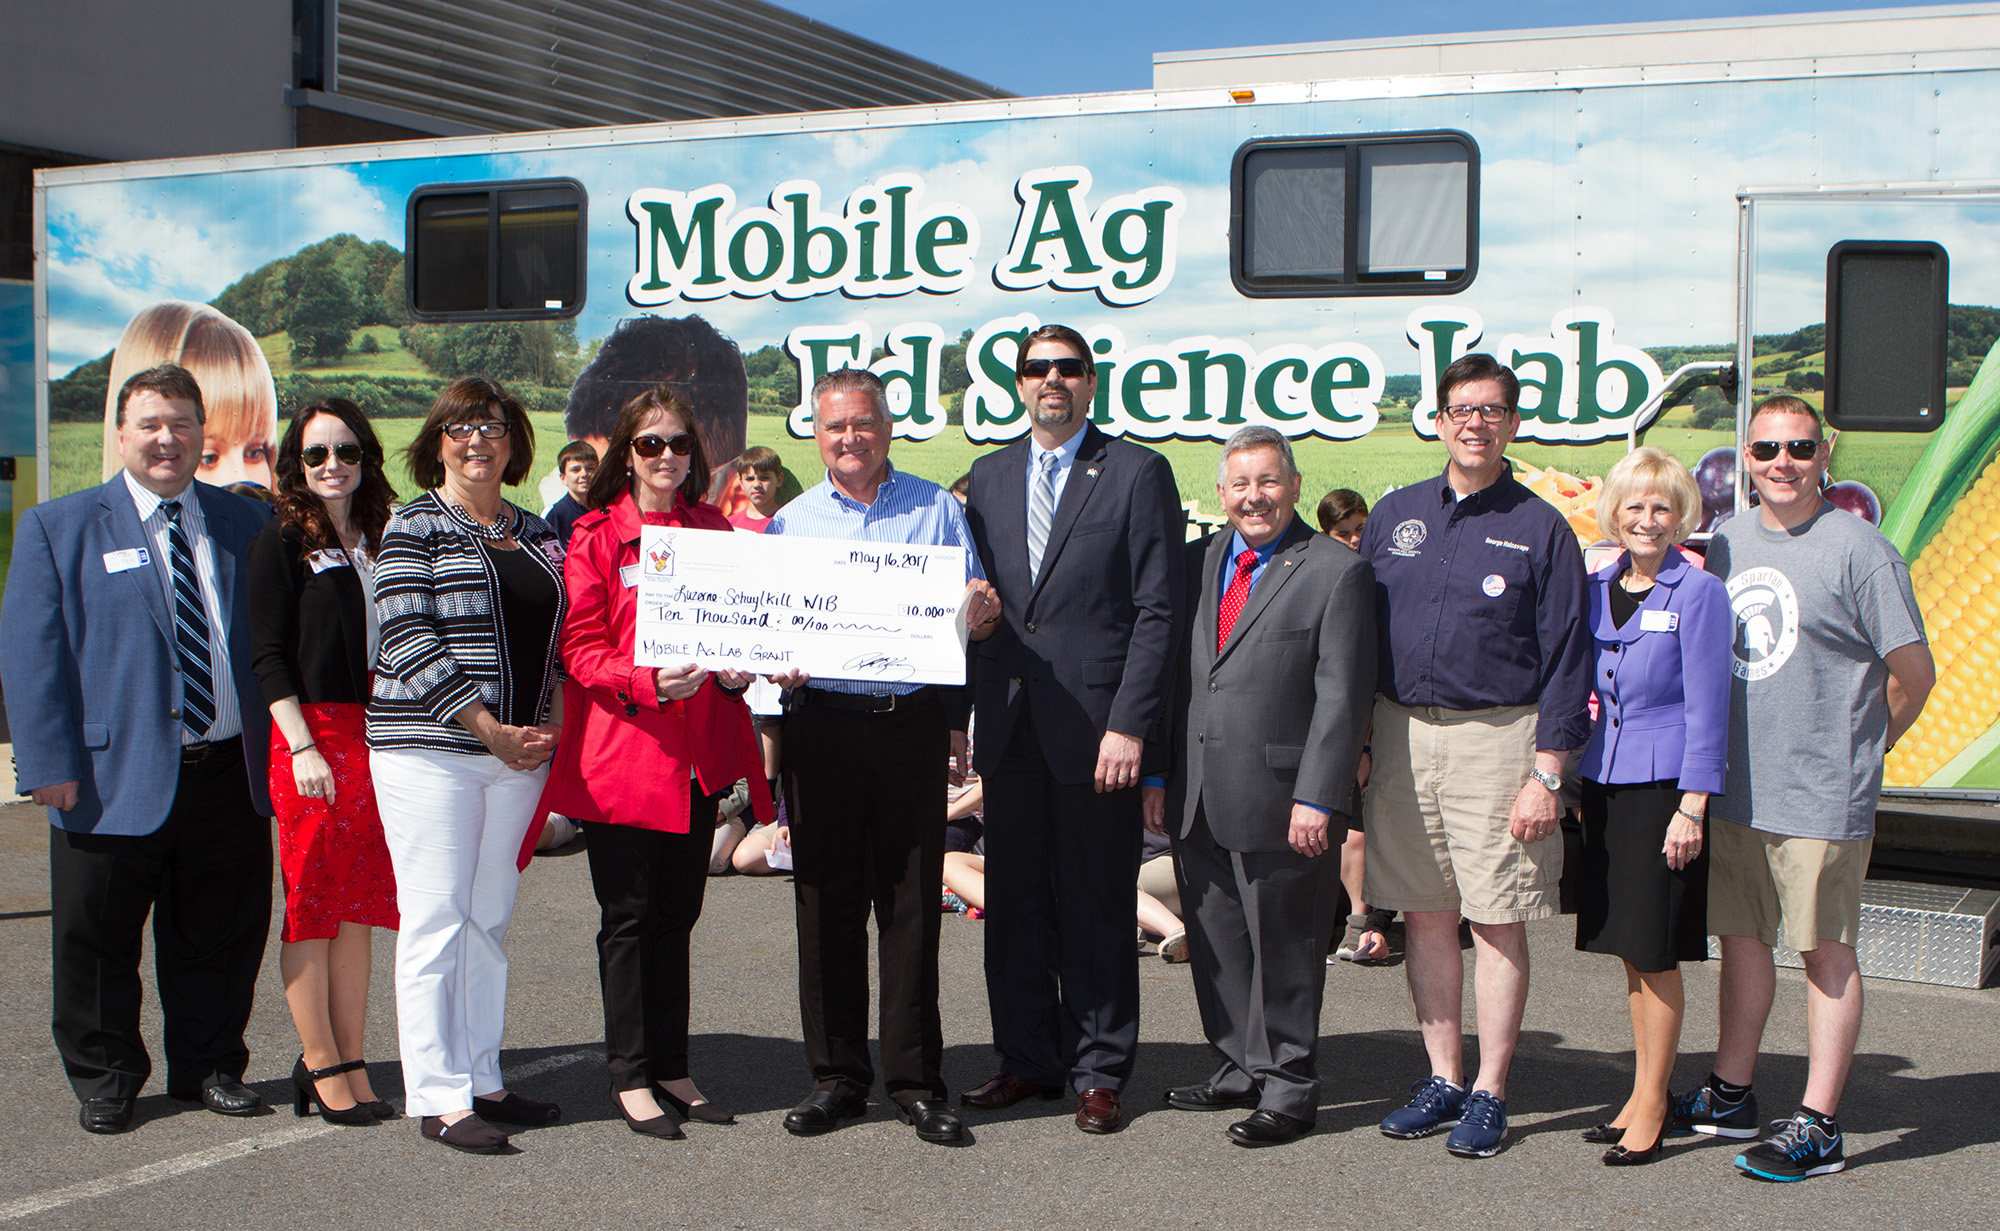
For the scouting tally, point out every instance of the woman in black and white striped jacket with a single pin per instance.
(461, 726)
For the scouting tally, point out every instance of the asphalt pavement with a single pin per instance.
(1920, 1111)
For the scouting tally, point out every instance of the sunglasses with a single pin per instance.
(1459, 414)
(316, 455)
(491, 429)
(1800, 450)
(650, 445)
(1038, 369)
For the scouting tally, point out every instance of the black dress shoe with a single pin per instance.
(933, 1121)
(232, 1098)
(471, 1135)
(1603, 1134)
(662, 1126)
(822, 1112)
(1005, 1090)
(106, 1115)
(704, 1112)
(1205, 1097)
(1619, 1156)
(1264, 1127)
(511, 1108)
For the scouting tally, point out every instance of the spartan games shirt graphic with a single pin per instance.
(1767, 622)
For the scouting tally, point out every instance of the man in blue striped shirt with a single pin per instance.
(865, 770)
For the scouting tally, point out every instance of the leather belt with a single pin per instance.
(192, 754)
(864, 702)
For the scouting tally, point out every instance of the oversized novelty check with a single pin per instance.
(833, 608)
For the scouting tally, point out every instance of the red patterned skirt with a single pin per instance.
(335, 863)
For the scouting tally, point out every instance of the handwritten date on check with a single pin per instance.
(833, 608)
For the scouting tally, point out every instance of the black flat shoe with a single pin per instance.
(470, 1135)
(232, 1098)
(511, 1108)
(705, 1112)
(106, 1115)
(1205, 1097)
(305, 1093)
(822, 1112)
(662, 1126)
(381, 1110)
(1268, 1128)
(1619, 1156)
(933, 1121)
(1603, 1134)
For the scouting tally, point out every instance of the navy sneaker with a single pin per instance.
(1482, 1127)
(1802, 1146)
(1703, 1111)
(1434, 1104)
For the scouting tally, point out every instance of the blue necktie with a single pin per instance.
(190, 631)
(1041, 514)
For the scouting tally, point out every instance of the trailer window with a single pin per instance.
(1370, 215)
(1887, 331)
(510, 251)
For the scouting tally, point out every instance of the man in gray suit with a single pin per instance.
(1274, 685)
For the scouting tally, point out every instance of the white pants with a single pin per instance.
(454, 825)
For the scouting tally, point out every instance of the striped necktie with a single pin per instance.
(190, 631)
(1041, 514)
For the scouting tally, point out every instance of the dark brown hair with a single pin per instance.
(468, 400)
(576, 451)
(1058, 333)
(1338, 505)
(761, 459)
(299, 507)
(614, 473)
(170, 381)
(1477, 366)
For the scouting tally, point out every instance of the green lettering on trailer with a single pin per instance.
(1137, 384)
(1053, 198)
(1234, 369)
(803, 233)
(661, 229)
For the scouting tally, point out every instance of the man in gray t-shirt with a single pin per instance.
(1830, 669)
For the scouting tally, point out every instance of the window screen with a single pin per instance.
(1886, 335)
(1372, 215)
(496, 251)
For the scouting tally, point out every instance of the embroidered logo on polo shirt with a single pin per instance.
(1407, 537)
(1504, 543)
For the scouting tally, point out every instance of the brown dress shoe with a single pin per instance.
(1005, 1091)
(1097, 1111)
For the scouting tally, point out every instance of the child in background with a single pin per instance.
(576, 465)
(761, 474)
(1342, 513)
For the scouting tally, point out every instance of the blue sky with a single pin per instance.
(1086, 46)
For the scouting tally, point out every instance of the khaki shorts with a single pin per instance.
(1440, 795)
(1758, 880)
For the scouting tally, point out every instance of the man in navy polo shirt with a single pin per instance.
(1484, 681)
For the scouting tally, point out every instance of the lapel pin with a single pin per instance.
(1091, 472)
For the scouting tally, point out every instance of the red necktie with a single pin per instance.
(1233, 598)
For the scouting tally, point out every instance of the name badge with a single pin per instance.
(629, 575)
(554, 551)
(129, 558)
(1659, 621)
(324, 560)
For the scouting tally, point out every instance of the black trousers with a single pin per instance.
(1062, 872)
(866, 798)
(649, 886)
(205, 876)
(1259, 923)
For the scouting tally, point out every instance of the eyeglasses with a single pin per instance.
(1038, 369)
(316, 455)
(1801, 450)
(491, 429)
(650, 445)
(1488, 414)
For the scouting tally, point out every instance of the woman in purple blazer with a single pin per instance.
(1662, 629)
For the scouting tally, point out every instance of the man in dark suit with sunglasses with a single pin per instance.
(1082, 537)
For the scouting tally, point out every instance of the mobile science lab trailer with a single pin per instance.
(1307, 254)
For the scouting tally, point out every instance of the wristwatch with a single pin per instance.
(1552, 781)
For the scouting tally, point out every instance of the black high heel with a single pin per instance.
(662, 1126)
(305, 1094)
(1619, 1156)
(704, 1111)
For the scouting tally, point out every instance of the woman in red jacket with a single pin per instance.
(645, 754)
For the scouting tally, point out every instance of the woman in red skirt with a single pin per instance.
(313, 634)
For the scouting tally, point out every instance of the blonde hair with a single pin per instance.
(1650, 469)
(237, 391)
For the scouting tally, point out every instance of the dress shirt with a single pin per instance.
(1482, 603)
(1065, 455)
(907, 509)
(228, 721)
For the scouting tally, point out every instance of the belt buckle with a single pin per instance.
(891, 699)
(196, 752)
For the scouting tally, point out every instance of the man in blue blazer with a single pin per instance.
(1082, 537)
(125, 657)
